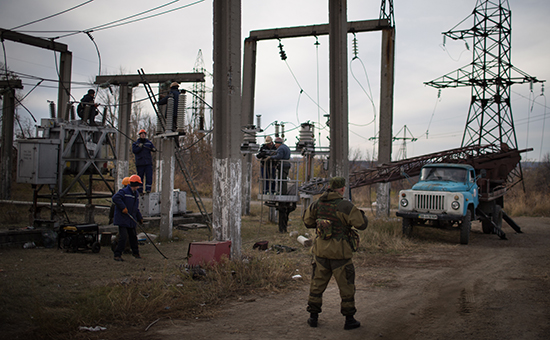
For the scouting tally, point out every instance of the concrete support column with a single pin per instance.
(338, 54)
(123, 143)
(227, 159)
(167, 188)
(64, 91)
(386, 117)
(8, 114)
(249, 84)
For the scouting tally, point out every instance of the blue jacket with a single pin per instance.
(143, 153)
(283, 153)
(126, 198)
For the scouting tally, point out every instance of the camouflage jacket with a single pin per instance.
(334, 215)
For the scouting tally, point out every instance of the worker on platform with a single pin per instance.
(127, 212)
(142, 149)
(267, 167)
(333, 217)
(174, 93)
(87, 108)
(282, 154)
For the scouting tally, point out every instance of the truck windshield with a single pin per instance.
(443, 174)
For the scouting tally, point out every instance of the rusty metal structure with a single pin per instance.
(497, 161)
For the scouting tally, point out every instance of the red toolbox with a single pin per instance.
(207, 252)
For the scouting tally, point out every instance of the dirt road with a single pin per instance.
(489, 289)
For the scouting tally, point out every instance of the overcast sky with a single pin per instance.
(288, 92)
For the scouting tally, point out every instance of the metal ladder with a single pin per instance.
(181, 163)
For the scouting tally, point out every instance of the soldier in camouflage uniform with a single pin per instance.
(333, 218)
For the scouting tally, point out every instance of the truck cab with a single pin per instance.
(446, 195)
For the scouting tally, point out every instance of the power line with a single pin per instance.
(53, 15)
(113, 24)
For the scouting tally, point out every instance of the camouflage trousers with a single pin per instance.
(344, 274)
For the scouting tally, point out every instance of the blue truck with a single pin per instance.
(452, 196)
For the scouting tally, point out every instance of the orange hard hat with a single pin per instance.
(135, 179)
(142, 131)
(126, 181)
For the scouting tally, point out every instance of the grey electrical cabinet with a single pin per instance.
(37, 161)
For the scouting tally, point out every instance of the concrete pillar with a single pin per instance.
(227, 159)
(123, 143)
(338, 55)
(249, 85)
(64, 91)
(167, 188)
(8, 114)
(386, 117)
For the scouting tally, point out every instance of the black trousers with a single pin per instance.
(126, 233)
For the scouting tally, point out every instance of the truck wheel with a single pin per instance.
(407, 227)
(487, 227)
(465, 228)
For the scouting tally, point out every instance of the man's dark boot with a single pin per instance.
(351, 323)
(313, 318)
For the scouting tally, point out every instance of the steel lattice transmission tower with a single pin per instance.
(199, 88)
(490, 118)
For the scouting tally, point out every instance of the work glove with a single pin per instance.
(125, 210)
(141, 221)
(140, 145)
(154, 149)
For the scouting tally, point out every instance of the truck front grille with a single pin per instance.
(429, 202)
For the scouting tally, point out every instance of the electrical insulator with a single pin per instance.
(68, 112)
(355, 47)
(52, 110)
(182, 100)
(276, 129)
(282, 52)
(169, 115)
(283, 131)
(258, 122)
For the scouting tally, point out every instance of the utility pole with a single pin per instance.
(7, 90)
(227, 158)
(386, 105)
(338, 56)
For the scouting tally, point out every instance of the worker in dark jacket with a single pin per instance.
(174, 93)
(267, 167)
(142, 149)
(282, 154)
(87, 108)
(127, 212)
(333, 217)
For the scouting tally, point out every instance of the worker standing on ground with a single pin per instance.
(282, 154)
(267, 167)
(87, 108)
(127, 212)
(125, 182)
(174, 93)
(142, 148)
(333, 217)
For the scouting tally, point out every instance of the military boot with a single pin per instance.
(313, 318)
(351, 323)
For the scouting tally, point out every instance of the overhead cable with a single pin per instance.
(53, 15)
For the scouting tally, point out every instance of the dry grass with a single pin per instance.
(520, 203)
